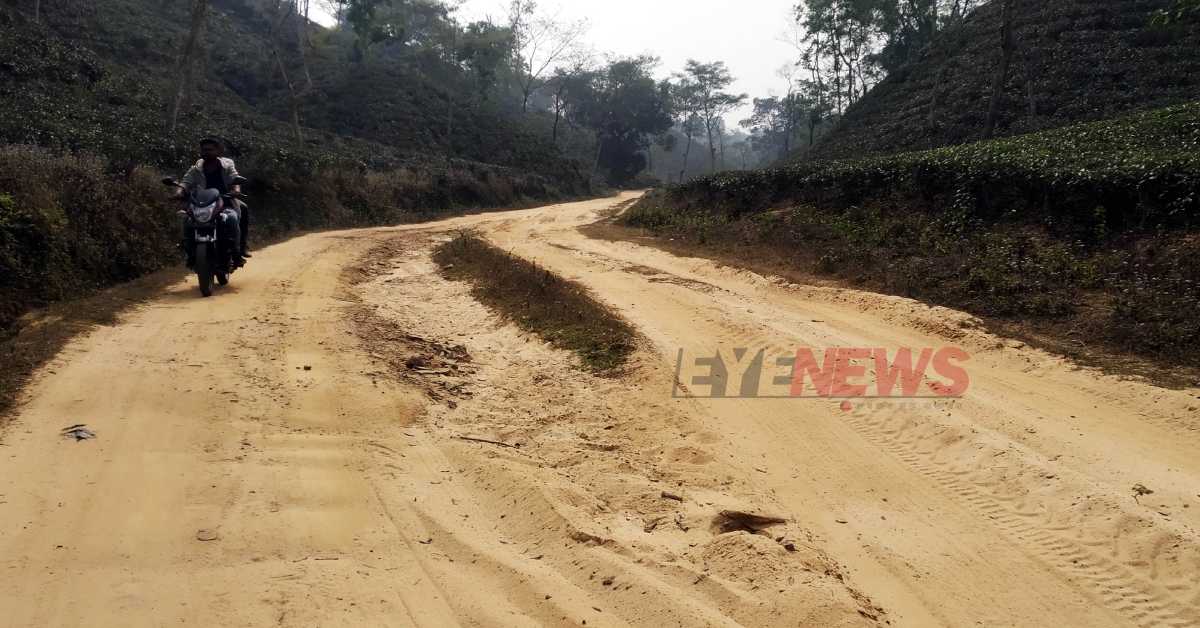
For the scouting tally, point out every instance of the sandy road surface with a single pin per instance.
(292, 454)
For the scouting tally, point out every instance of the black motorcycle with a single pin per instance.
(212, 245)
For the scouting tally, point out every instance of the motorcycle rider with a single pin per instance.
(215, 171)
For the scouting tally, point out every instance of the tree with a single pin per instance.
(907, 26)
(839, 42)
(770, 130)
(953, 12)
(303, 41)
(685, 108)
(484, 49)
(539, 43)
(1007, 47)
(624, 106)
(408, 23)
(745, 151)
(710, 81)
(187, 61)
(336, 8)
(848, 46)
(1182, 11)
(569, 87)
(281, 11)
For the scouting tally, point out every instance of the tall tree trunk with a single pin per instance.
(1007, 46)
(276, 38)
(956, 13)
(526, 88)
(557, 119)
(450, 93)
(450, 125)
(817, 79)
(721, 140)
(935, 96)
(557, 116)
(712, 145)
(304, 43)
(599, 151)
(293, 99)
(1030, 85)
(837, 80)
(789, 127)
(187, 61)
(686, 153)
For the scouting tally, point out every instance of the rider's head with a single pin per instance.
(211, 148)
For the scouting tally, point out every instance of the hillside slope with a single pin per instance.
(83, 102)
(120, 57)
(1088, 231)
(1076, 60)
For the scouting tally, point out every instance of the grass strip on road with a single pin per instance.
(561, 312)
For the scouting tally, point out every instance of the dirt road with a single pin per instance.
(343, 438)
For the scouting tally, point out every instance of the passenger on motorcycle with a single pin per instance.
(217, 172)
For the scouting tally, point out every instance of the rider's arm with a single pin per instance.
(191, 181)
(231, 173)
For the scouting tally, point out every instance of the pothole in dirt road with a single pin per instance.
(444, 370)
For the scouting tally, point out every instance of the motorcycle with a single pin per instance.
(214, 252)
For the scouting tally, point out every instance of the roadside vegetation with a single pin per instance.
(943, 72)
(1091, 229)
(561, 312)
(69, 225)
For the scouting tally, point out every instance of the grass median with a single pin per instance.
(561, 312)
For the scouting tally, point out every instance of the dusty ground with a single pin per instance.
(345, 438)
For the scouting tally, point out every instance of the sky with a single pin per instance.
(748, 38)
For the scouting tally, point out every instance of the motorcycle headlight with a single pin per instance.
(204, 214)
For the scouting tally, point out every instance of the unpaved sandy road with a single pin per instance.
(289, 453)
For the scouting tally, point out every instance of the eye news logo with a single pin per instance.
(834, 373)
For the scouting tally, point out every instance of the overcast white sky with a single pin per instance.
(744, 34)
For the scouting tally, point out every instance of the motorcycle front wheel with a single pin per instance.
(204, 271)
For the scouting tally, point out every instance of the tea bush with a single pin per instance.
(1033, 227)
(71, 223)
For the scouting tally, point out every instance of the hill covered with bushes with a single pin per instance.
(1072, 61)
(100, 77)
(385, 133)
(1090, 229)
